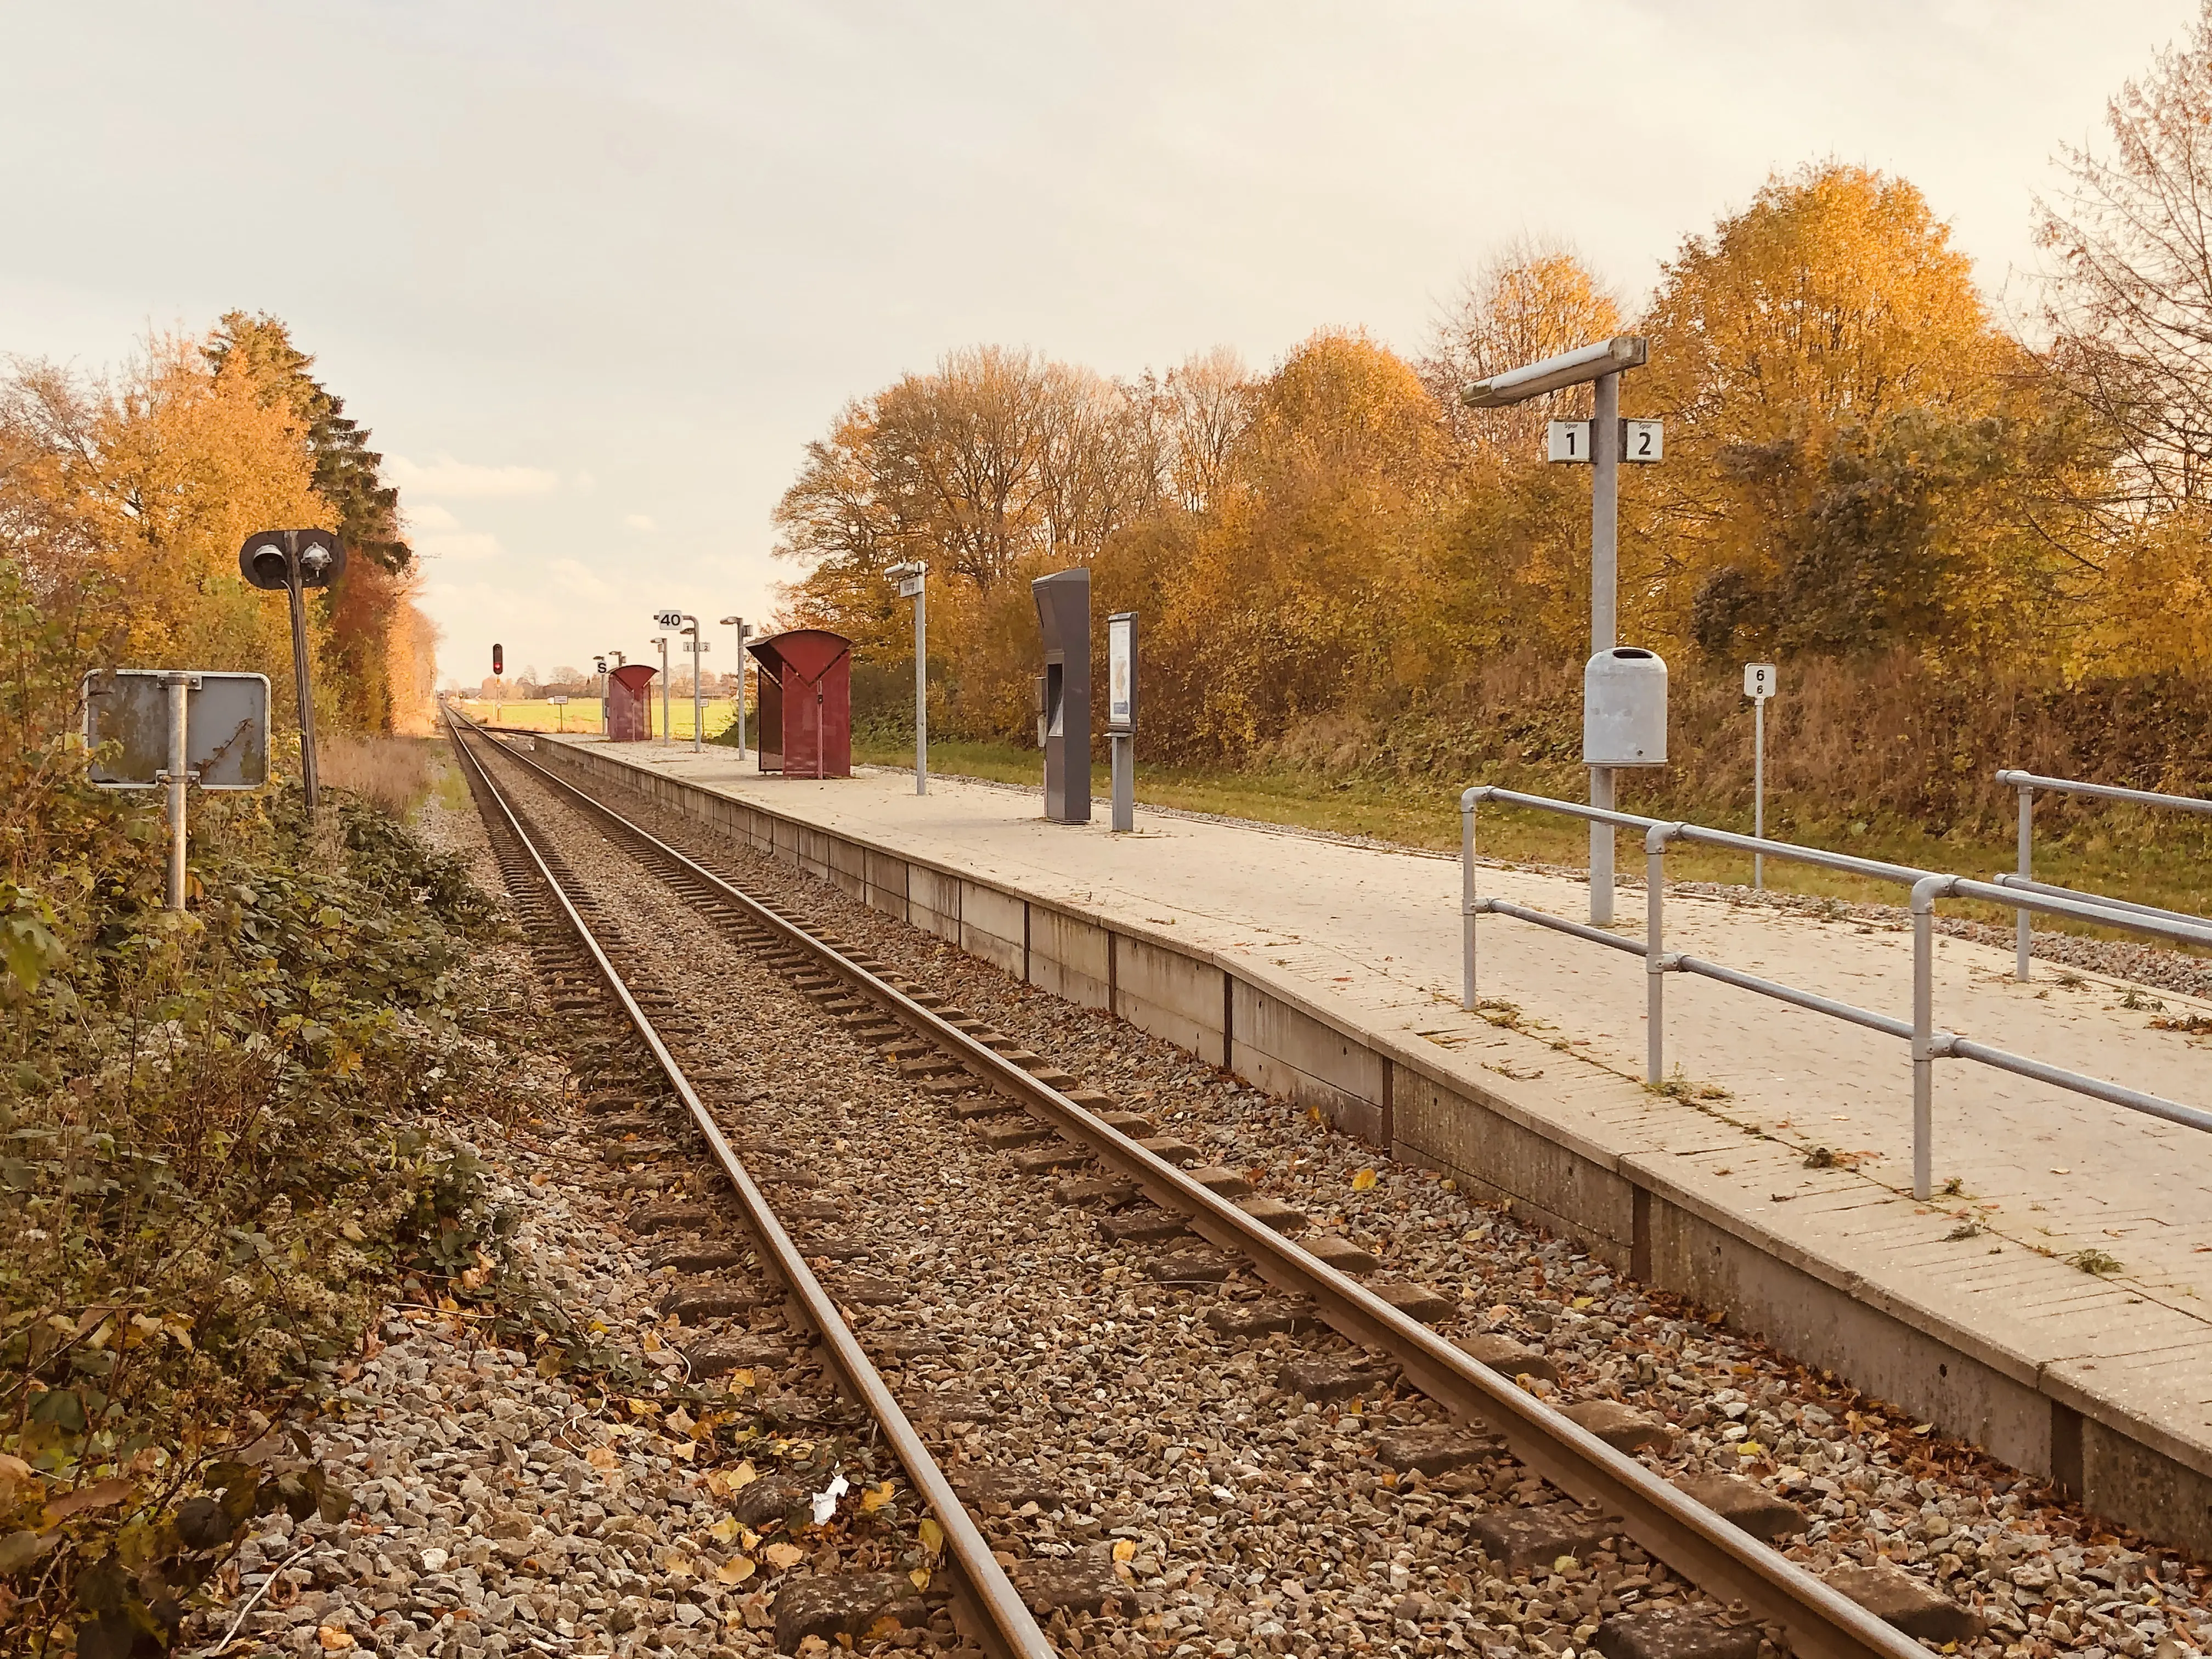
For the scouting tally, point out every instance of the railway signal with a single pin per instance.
(289, 562)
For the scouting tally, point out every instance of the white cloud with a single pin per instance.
(464, 546)
(571, 576)
(430, 516)
(640, 521)
(448, 479)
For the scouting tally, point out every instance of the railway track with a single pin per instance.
(1573, 1489)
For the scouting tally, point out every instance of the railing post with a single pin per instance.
(2021, 946)
(1924, 893)
(1654, 960)
(1467, 900)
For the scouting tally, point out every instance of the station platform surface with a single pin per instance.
(2073, 1255)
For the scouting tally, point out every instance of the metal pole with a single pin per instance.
(738, 624)
(179, 689)
(308, 774)
(666, 725)
(1923, 1031)
(1467, 903)
(1654, 970)
(921, 691)
(2021, 945)
(698, 702)
(1125, 782)
(1759, 789)
(1605, 578)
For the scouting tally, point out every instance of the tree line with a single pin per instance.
(1975, 532)
(124, 497)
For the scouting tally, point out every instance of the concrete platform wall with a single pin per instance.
(1365, 1084)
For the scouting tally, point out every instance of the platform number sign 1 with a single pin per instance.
(1568, 442)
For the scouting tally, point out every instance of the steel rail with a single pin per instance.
(996, 1609)
(1712, 1552)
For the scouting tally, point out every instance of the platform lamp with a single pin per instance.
(744, 633)
(662, 643)
(913, 580)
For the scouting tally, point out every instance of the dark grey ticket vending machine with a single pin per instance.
(1063, 602)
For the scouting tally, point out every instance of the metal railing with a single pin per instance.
(1927, 886)
(2026, 783)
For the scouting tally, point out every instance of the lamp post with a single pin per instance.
(914, 584)
(1603, 364)
(697, 647)
(662, 642)
(744, 633)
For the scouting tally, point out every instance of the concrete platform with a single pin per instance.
(1328, 972)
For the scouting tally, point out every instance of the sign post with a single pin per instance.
(914, 584)
(1758, 684)
(661, 644)
(606, 692)
(1601, 444)
(291, 561)
(177, 728)
(1121, 714)
(744, 633)
(560, 712)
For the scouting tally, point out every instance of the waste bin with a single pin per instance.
(1624, 708)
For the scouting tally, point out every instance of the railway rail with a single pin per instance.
(993, 1611)
(1726, 1561)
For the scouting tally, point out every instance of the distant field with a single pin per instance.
(2172, 867)
(582, 714)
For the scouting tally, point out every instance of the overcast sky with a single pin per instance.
(594, 274)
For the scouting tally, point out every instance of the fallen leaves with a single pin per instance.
(1362, 1182)
(334, 1640)
(931, 1535)
(874, 1497)
(736, 1569)
(784, 1557)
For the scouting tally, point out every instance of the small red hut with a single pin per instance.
(806, 703)
(630, 703)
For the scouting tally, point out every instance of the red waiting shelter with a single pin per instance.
(630, 703)
(806, 703)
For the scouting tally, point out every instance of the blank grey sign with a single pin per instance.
(226, 728)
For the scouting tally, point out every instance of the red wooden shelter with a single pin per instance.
(630, 703)
(806, 703)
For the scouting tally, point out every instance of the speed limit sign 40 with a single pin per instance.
(1759, 680)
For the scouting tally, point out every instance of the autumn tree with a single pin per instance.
(1857, 458)
(2128, 293)
(1529, 302)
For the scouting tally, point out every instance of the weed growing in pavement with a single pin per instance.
(2191, 1025)
(2094, 1261)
